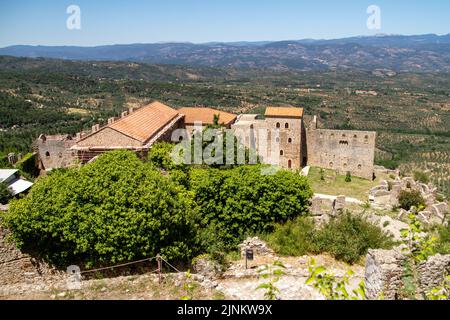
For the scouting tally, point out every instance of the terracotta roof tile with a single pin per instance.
(206, 116)
(284, 112)
(145, 122)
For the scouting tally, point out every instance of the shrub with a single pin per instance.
(408, 199)
(5, 193)
(443, 240)
(348, 177)
(349, 237)
(242, 201)
(27, 166)
(421, 176)
(113, 210)
(294, 238)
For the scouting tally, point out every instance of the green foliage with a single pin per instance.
(294, 238)
(440, 293)
(27, 166)
(418, 247)
(273, 274)
(189, 286)
(410, 198)
(443, 240)
(113, 210)
(421, 176)
(332, 288)
(347, 237)
(242, 201)
(5, 193)
(348, 177)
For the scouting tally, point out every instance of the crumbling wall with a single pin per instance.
(17, 267)
(384, 273)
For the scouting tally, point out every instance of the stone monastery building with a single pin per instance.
(283, 130)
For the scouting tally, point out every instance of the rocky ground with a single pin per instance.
(237, 283)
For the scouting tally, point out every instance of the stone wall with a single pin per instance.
(342, 150)
(384, 272)
(17, 267)
(54, 151)
(108, 138)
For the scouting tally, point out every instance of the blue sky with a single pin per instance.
(43, 22)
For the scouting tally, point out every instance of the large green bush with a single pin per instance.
(347, 238)
(243, 201)
(408, 199)
(112, 210)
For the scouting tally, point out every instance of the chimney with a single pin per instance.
(124, 114)
(95, 128)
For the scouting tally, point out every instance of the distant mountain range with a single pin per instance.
(421, 53)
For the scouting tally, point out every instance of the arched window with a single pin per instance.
(180, 138)
(359, 167)
(355, 137)
(331, 164)
(366, 139)
(286, 125)
(47, 154)
(278, 125)
(252, 126)
(290, 164)
(281, 153)
(290, 140)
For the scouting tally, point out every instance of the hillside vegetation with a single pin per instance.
(410, 111)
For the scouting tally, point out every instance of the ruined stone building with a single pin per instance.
(280, 137)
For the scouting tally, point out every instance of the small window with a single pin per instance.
(281, 153)
(290, 140)
(47, 154)
(277, 139)
(252, 126)
(278, 125)
(359, 167)
(286, 126)
(355, 137)
(290, 164)
(344, 135)
(331, 164)
(345, 165)
(180, 138)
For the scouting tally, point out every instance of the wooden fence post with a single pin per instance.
(158, 259)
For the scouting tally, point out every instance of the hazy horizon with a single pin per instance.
(27, 22)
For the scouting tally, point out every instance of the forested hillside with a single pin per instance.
(410, 111)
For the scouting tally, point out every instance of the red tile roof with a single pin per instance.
(206, 116)
(280, 112)
(145, 122)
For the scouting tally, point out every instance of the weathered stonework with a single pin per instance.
(384, 272)
(17, 267)
(342, 150)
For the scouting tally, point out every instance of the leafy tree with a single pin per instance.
(242, 201)
(113, 210)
